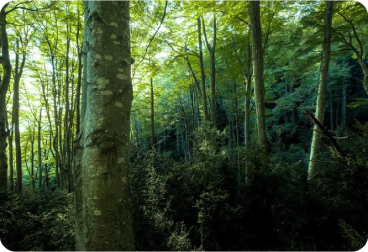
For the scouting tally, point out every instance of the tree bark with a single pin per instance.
(152, 117)
(10, 150)
(15, 116)
(248, 76)
(211, 50)
(32, 159)
(321, 97)
(343, 106)
(55, 142)
(203, 76)
(259, 92)
(67, 164)
(103, 216)
(331, 110)
(3, 90)
(39, 156)
(79, 82)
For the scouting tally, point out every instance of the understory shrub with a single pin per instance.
(37, 221)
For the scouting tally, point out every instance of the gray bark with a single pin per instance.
(248, 75)
(259, 92)
(152, 117)
(10, 150)
(5, 61)
(321, 97)
(211, 50)
(39, 156)
(103, 216)
(15, 116)
(203, 76)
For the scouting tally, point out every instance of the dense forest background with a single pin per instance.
(199, 176)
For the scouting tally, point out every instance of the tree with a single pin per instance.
(352, 17)
(321, 97)
(17, 76)
(5, 61)
(259, 91)
(103, 217)
(203, 76)
(211, 50)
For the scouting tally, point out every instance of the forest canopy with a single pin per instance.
(184, 125)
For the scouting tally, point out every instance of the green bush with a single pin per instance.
(38, 221)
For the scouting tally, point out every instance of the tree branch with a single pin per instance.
(326, 133)
(162, 20)
(28, 9)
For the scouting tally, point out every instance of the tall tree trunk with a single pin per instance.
(10, 149)
(67, 164)
(259, 92)
(286, 92)
(103, 216)
(331, 110)
(32, 159)
(203, 76)
(15, 116)
(249, 74)
(152, 117)
(343, 106)
(45, 154)
(191, 91)
(185, 135)
(39, 154)
(321, 97)
(55, 142)
(79, 82)
(5, 61)
(211, 50)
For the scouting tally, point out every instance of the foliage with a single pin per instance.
(200, 188)
(38, 221)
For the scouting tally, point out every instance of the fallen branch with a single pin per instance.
(326, 133)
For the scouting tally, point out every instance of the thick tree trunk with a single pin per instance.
(5, 61)
(321, 97)
(259, 92)
(103, 216)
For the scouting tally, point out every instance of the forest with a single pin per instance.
(183, 125)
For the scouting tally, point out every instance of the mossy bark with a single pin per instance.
(103, 215)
